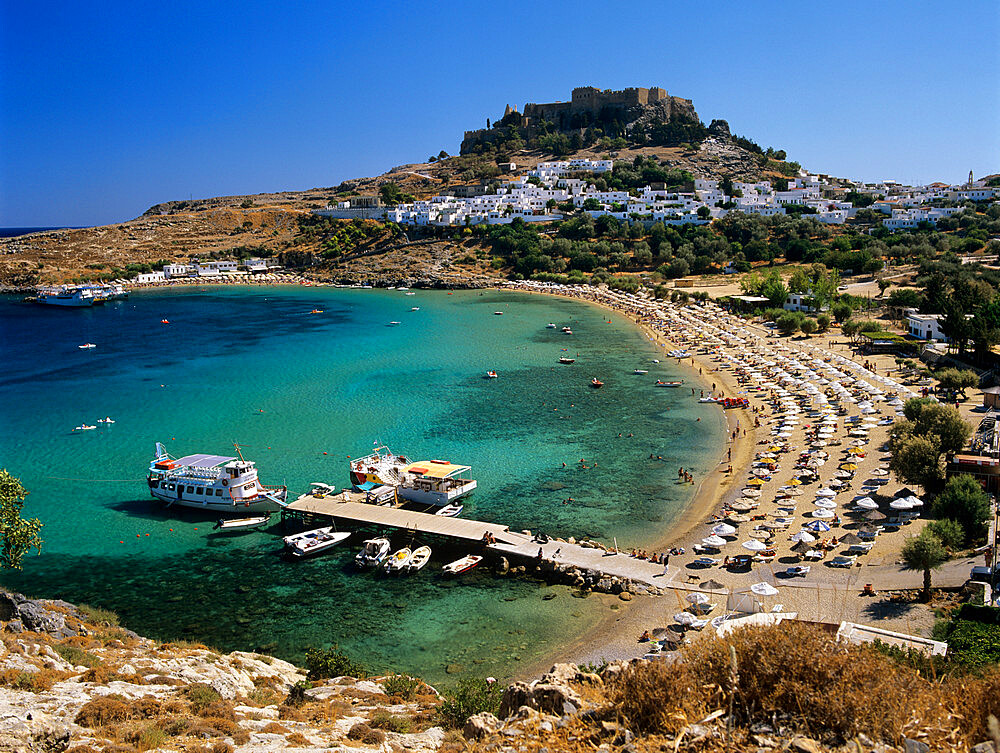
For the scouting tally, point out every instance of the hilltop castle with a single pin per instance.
(590, 106)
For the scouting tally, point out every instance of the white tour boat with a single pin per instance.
(550, 325)
(67, 295)
(84, 427)
(86, 346)
(107, 420)
(212, 482)
(374, 552)
(237, 525)
(317, 541)
(429, 482)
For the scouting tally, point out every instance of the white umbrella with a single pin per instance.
(714, 541)
(821, 513)
(754, 545)
(803, 536)
(724, 529)
(684, 618)
(914, 501)
(827, 504)
(697, 598)
(826, 492)
(817, 525)
(900, 504)
(764, 589)
(867, 503)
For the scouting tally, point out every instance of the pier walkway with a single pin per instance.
(508, 543)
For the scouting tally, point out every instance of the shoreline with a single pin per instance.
(709, 497)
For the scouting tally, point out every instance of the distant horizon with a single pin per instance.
(130, 107)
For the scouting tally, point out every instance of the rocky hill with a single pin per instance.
(72, 680)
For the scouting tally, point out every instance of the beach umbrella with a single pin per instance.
(826, 504)
(711, 585)
(803, 536)
(849, 538)
(741, 507)
(724, 529)
(875, 515)
(849, 467)
(697, 598)
(714, 541)
(754, 545)
(900, 504)
(751, 493)
(755, 482)
(880, 472)
(915, 501)
(817, 525)
(867, 503)
(826, 492)
(764, 589)
(684, 618)
(740, 518)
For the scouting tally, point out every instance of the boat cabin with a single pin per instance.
(435, 482)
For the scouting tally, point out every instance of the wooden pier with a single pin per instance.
(346, 508)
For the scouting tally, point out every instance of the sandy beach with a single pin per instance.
(825, 594)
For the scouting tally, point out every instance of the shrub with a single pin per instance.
(365, 734)
(201, 696)
(297, 693)
(382, 719)
(403, 686)
(330, 662)
(102, 711)
(298, 739)
(147, 738)
(98, 615)
(469, 697)
(974, 644)
(220, 709)
(77, 656)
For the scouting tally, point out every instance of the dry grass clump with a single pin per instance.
(365, 734)
(797, 669)
(382, 719)
(297, 738)
(219, 747)
(33, 682)
(274, 728)
(102, 674)
(103, 711)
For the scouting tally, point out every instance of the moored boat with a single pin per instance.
(550, 325)
(237, 525)
(374, 551)
(399, 560)
(462, 565)
(429, 482)
(490, 375)
(640, 371)
(317, 541)
(212, 482)
(596, 383)
(84, 427)
(450, 511)
(660, 383)
(420, 557)
(564, 359)
(86, 346)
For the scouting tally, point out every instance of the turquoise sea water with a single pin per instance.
(302, 392)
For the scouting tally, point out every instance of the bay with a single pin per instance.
(302, 392)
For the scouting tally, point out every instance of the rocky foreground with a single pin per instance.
(72, 680)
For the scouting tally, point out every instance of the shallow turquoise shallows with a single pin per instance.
(302, 392)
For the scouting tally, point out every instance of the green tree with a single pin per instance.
(799, 282)
(958, 380)
(926, 417)
(841, 311)
(916, 460)
(950, 532)
(964, 501)
(789, 322)
(704, 212)
(924, 552)
(774, 289)
(930, 430)
(19, 535)
(751, 283)
(808, 326)
(823, 322)
(883, 285)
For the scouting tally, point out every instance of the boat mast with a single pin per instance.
(237, 446)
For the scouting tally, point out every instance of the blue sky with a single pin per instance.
(106, 109)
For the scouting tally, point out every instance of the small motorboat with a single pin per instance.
(414, 293)
(238, 525)
(640, 371)
(420, 557)
(656, 360)
(399, 560)
(550, 325)
(660, 383)
(374, 552)
(318, 544)
(450, 510)
(497, 313)
(567, 360)
(393, 324)
(490, 375)
(567, 330)
(86, 346)
(415, 308)
(164, 321)
(460, 566)
(107, 420)
(316, 311)
(596, 383)
(84, 427)
(708, 399)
